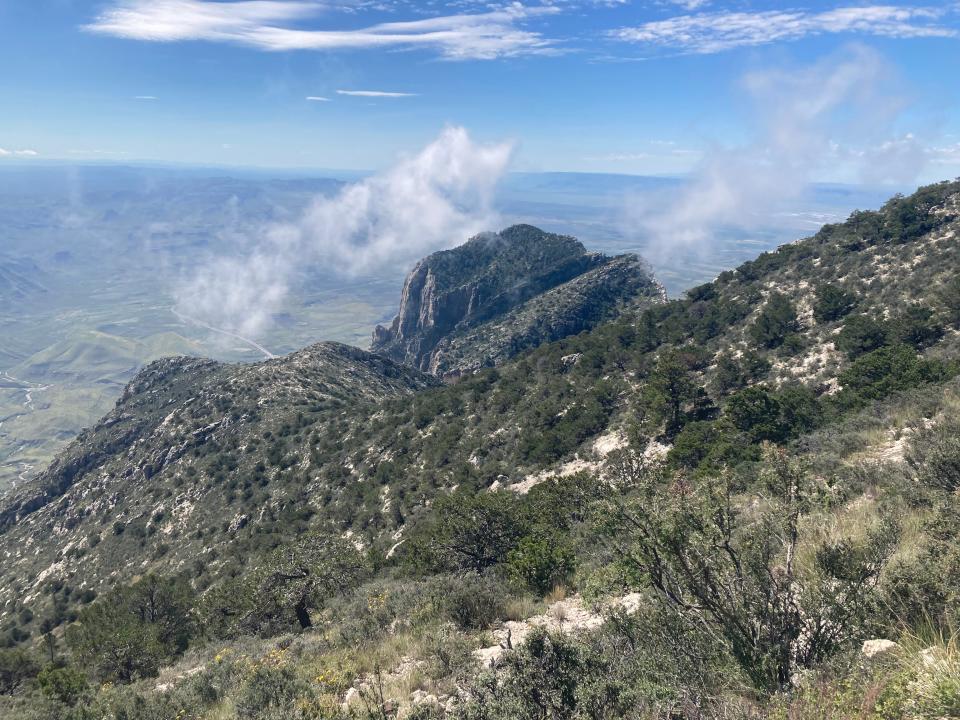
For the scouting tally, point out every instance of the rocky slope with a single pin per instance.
(203, 466)
(500, 293)
(155, 481)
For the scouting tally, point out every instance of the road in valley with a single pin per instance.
(199, 323)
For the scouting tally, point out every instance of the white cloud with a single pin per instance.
(945, 155)
(834, 113)
(317, 98)
(375, 93)
(145, 97)
(715, 32)
(18, 153)
(429, 201)
(691, 4)
(267, 25)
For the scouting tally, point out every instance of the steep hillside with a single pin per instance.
(500, 293)
(741, 486)
(193, 452)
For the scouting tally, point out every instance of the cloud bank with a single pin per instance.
(274, 25)
(807, 120)
(708, 33)
(432, 200)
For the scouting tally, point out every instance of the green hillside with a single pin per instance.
(739, 504)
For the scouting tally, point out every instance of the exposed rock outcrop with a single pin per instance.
(500, 293)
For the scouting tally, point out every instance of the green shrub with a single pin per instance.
(861, 334)
(542, 561)
(832, 303)
(877, 374)
(17, 667)
(467, 531)
(472, 601)
(129, 632)
(715, 559)
(935, 455)
(776, 321)
(270, 691)
(66, 684)
(916, 326)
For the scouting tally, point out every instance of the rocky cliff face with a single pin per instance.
(500, 293)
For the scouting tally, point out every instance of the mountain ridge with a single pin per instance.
(454, 292)
(813, 389)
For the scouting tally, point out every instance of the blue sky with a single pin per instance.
(634, 86)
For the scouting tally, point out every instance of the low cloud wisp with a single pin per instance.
(429, 201)
(837, 113)
(18, 153)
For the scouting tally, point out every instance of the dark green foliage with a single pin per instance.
(906, 218)
(63, 683)
(877, 374)
(773, 416)
(130, 631)
(832, 303)
(917, 326)
(671, 390)
(757, 412)
(527, 537)
(776, 321)
(281, 590)
(17, 667)
(734, 373)
(647, 664)
(541, 681)
(542, 561)
(949, 297)
(468, 532)
(861, 334)
(935, 456)
(694, 444)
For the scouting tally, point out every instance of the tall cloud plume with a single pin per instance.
(429, 201)
(834, 114)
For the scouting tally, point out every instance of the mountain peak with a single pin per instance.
(451, 294)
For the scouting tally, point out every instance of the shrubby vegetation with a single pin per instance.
(345, 548)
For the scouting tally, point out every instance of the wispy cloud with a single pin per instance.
(432, 200)
(97, 152)
(690, 4)
(145, 97)
(836, 113)
(375, 94)
(277, 25)
(317, 98)
(715, 32)
(945, 155)
(18, 153)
